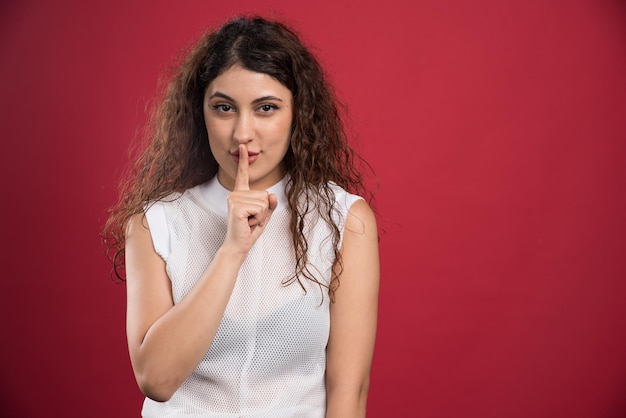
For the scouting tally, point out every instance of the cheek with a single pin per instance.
(282, 128)
(218, 145)
(216, 132)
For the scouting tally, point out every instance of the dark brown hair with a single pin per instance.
(178, 155)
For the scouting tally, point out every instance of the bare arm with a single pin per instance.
(353, 317)
(166, 341)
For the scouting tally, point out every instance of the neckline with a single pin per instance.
(214, 194)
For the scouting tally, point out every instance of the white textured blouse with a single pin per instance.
(268, 358)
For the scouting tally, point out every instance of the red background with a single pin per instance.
(497, 131)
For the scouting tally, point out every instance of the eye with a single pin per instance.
(266, 108)
(223, 108)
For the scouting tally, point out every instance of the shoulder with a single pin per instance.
(157, 208)
(343, 199)
(155, 219)
(360, 219)
(170, 198)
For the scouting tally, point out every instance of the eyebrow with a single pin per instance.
(255, 101)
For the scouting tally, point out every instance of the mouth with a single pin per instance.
(252, 156)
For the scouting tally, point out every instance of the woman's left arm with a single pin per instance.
(353, 317)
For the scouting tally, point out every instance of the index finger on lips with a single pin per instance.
(242, 179)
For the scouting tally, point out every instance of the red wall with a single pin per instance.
(497, 130)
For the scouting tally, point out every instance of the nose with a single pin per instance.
(243, 131)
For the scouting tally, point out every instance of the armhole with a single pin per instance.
(157, 222)
(345, 201)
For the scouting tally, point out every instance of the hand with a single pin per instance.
(248, 210)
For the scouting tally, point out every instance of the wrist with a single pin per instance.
(231, 254)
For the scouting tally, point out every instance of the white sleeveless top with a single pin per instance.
(268, 358)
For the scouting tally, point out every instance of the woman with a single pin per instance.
(252, 273)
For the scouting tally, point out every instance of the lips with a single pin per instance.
(252, 156)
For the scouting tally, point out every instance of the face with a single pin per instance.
(246, 107)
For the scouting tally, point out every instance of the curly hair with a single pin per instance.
(178, 157)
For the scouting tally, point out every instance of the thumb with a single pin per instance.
(273, 201)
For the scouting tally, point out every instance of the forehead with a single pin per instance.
(245, 85)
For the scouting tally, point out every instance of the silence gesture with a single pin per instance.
(248, 210)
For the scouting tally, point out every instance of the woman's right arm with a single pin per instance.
(166, 341)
